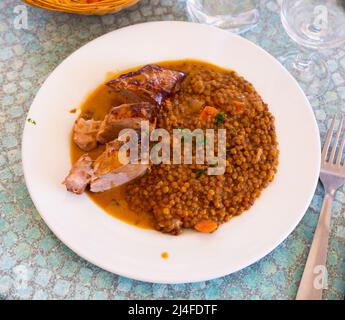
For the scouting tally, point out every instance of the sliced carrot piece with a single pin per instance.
(208, 112)
(206, 226)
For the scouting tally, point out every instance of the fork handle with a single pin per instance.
(310, 288)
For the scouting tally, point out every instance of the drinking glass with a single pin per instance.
(315, 25)
(233, 15)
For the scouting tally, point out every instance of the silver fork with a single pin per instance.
(332, 176)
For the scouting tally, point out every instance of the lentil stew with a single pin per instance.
(170, 197)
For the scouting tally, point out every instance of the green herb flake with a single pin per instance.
(199, 173)
(219, 118)
(213, 165)
(32, 121)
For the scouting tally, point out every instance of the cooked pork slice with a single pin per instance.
(117, 177)
(85, 133)
(125, 116)
(151, 83)
(109, 172)
(80, 175)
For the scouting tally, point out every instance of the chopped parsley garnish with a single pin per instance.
(213, 165)
(199, 173)
(32, 121)
(219, 118)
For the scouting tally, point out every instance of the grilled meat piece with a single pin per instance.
(80, 175)
(152, 83)
(125, 116)
(85, 132)
(109, 172)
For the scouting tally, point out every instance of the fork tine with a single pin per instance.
(336, 140)
(341, 148)
(328, 140)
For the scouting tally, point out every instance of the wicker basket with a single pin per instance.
(99, 7)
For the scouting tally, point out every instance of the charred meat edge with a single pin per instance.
(152, 83)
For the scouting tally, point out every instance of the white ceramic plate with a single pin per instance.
(136, 253)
